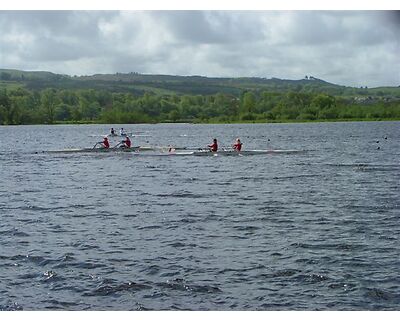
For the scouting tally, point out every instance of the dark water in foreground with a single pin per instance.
(311, 231)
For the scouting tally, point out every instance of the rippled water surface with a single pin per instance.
(317, 230)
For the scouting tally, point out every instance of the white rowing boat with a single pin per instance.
(159, 151)
(120, 149)
(219, 153)
(242, 153)
(129, 134)
(100, 150)
(117, 135)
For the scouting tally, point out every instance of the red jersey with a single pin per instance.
(214, 147)
(237, 146)
(128, 142)
(106, 144)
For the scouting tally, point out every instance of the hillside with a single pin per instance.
(45, 97)
(138, 84)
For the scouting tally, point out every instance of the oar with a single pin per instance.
(95, 145)
(117, 145)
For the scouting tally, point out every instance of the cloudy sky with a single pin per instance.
(355, 48)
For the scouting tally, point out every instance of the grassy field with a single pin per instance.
(10, 85)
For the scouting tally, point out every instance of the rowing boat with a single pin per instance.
(121, 149)
(242, 153)
(100, 150)
(219, 153)
(177, 151)
(115, 135)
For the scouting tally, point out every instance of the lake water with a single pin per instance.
(317, 230)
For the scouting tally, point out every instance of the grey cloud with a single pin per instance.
(310, 29)
(345, 47)
(52, 22)
(209, 27)
(393, 17)
(189, 26)
(50, 49)
(318, 28)
(55, 35)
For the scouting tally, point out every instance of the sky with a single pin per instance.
(352, 48)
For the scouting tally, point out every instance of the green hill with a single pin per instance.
(136, 83)
(29, 97)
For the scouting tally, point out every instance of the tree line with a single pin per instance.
(48, 106)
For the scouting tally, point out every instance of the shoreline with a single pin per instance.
(211, 122)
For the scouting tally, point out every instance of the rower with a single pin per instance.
(238, 145)
(112, 132)
(126, 143)
(122, 132)
(105, 144)
(214, 146)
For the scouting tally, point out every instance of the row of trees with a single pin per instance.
(22, 106)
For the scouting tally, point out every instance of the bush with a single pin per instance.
(248, 116)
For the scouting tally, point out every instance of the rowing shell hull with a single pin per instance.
(125, 135)
(242, 153)
(164, 151)
(98, 150)
(221, 153)
(104, 150)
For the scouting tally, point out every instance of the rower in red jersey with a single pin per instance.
(105, 143)
(238, 145)
(214, 146)
(126, 143)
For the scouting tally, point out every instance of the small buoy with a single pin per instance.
(378, 148)
(377, 141)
